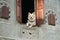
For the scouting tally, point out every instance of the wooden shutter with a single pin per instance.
(51, 19)
(18, 9)
(5, 12)
(39, 9)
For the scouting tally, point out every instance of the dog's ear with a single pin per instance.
(29, 13)
(33, 13)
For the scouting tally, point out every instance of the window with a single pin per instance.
(51, 19)
(4, 10)
(25, 6)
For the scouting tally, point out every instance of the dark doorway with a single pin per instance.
(27, 6)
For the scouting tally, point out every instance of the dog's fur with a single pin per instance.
(31, 20)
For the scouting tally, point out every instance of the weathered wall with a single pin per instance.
(12, 29)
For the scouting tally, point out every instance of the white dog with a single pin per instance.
(31, 20)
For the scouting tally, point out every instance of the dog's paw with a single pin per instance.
(30, 26)
(27, 24)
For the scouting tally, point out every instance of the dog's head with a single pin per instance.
(31, 16)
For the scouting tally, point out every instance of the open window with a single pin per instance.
(39, 12)
(25, 6)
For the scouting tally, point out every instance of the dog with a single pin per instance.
(31, 20)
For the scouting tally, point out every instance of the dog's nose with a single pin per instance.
(31, 17)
